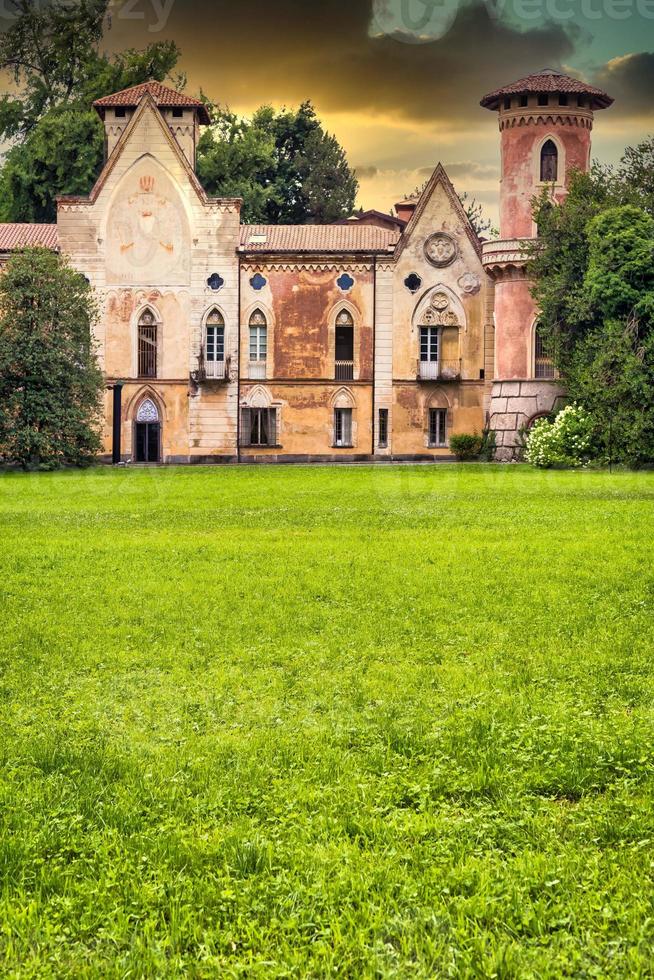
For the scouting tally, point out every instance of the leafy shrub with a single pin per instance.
(488, 446)
(466, 446)
(566, 441)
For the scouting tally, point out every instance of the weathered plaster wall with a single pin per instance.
(147, 235)
(306, 418)
(301, 302)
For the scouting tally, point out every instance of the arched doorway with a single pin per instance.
(148, 433)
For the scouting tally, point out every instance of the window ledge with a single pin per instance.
(342, 445)
(275, 445)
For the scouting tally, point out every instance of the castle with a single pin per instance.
(378, 337)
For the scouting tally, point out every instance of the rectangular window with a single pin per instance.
(382, 440)
(259, 427)
(178, 113)
(119, 112)
(258, 343)
(429, 343)
(215, 343)
(147, 351)
(342, 426)
(437, 427)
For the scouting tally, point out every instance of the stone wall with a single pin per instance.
(514, 405)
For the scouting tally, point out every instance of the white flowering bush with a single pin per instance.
(566, 441)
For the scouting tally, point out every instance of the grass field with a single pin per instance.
(311, 722)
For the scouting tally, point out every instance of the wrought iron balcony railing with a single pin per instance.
(344, 370)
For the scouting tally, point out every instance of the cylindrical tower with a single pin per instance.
(545, 125)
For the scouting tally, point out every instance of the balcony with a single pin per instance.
(214, 370)
(257, 370)
(210, 370)
(344, 371)
(449, 370)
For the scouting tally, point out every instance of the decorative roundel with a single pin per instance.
(215, 281)
(413, 282)
(439, 301)
(440, 249)
(258, 281)
(345, 282)
(470, 283)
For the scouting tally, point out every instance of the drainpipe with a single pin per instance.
(238, 367)
(374, 343)
(117, 389)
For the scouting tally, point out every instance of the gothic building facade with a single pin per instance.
(377, 337)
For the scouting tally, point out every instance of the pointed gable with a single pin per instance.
(439, 179)
(155, 135)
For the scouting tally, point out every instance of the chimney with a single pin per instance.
(404, 209)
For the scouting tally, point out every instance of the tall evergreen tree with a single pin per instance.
(50, 382)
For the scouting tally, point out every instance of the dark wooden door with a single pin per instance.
(148, 437)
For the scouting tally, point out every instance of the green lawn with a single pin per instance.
(310, 722)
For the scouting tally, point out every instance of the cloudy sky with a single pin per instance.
(399, 81)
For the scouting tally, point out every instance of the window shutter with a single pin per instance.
(245, 426)
(272, 422)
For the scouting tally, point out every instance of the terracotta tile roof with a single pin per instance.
(548, 80)
(14, 236)
(166, 98)
(352, 237)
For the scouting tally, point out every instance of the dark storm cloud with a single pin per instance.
(630, 80)
(250, 51)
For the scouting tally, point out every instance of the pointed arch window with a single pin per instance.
(147, 345)
(344, 347)
(543, 363)
(549, 162)
(258, 344)
(215, 344)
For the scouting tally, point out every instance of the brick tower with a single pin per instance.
(545, 125)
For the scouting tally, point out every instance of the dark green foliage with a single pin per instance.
(63, 153)
(50, 383)
(594, 285)
(286, 168)
(52, 54)
(466, 446)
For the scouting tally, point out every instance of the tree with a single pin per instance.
(593, 271)
(286, 168)
(51, 52)
(50, 382)
(476, 216)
